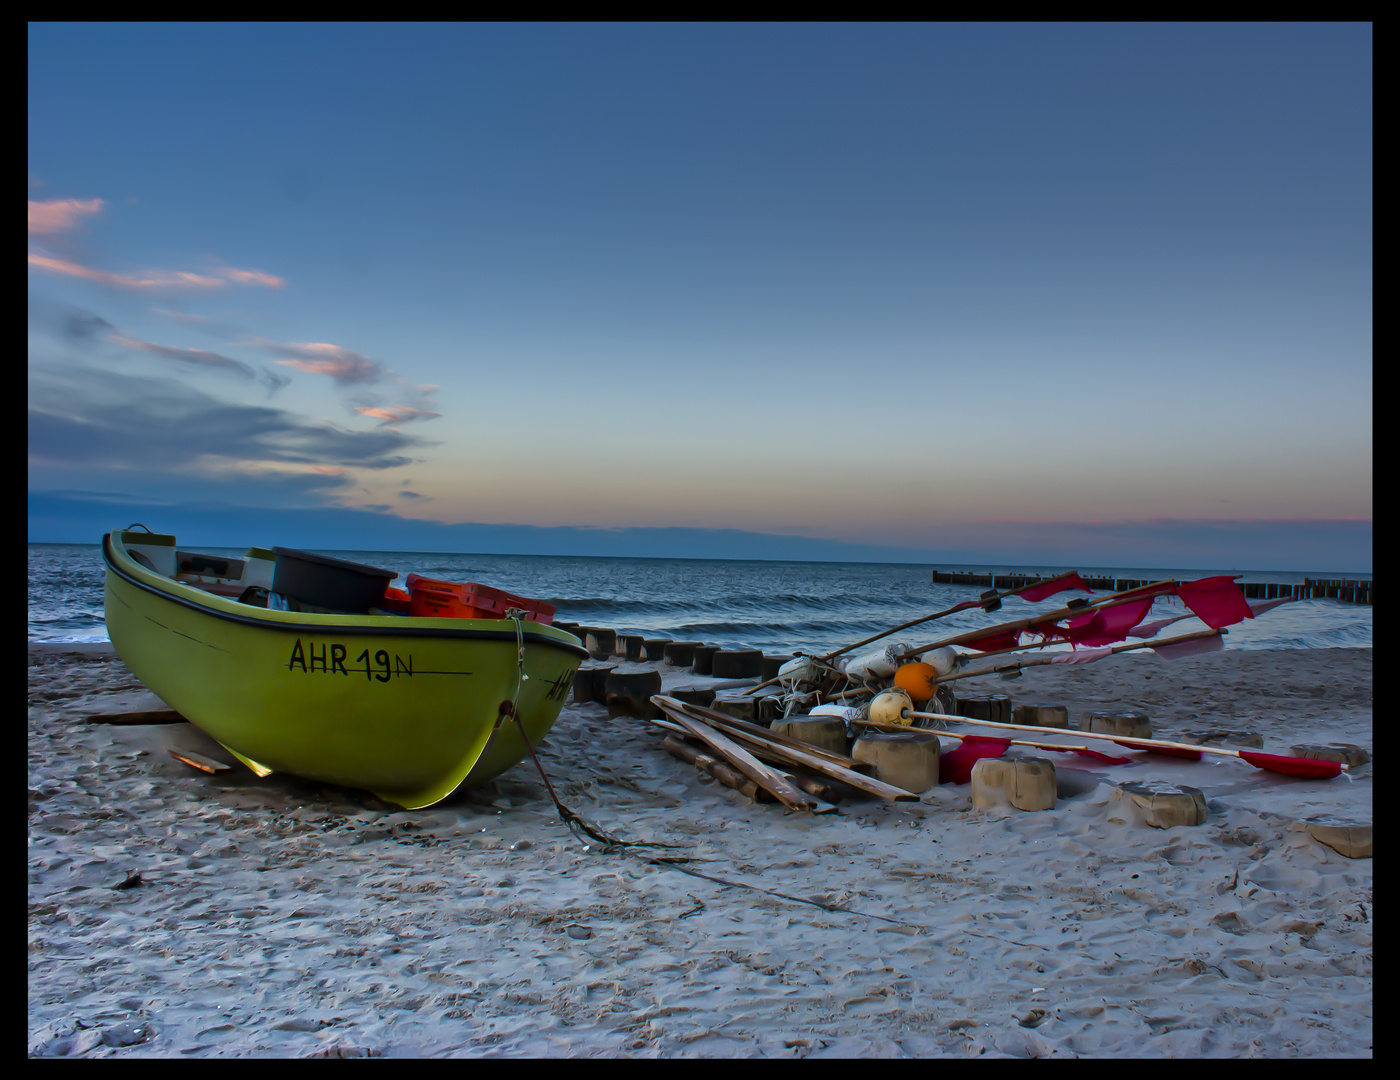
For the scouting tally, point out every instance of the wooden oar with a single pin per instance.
(806, 759)
(1041, 660)
(1305, 768)
(781, 789)
(966, 605)
(1084, 751)
(1050, 616)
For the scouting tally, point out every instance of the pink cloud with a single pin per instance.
(396, 414)
(197, 357)
(154, 279)
(322, 358)
(59, 215)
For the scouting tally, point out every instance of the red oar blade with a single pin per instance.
(1165, 751)
(1303, 768)
(1094, 755)
(955, 767)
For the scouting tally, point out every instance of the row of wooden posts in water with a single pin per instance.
(1345, 590)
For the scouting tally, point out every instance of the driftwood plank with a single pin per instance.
(724, 773)
(733, 723)
(803, 759)
(199, 761)
(784, 791)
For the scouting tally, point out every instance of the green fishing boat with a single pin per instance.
(407, 707)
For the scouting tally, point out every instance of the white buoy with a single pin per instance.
(888, 707)
(943, 660)
(876, 663)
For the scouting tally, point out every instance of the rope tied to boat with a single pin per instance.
(576, 822)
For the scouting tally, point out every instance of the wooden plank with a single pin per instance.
(147, 716)
(723, 720)
(783, 790)
(804, 760)
(199, 761)
(724, 773)
(677, 745)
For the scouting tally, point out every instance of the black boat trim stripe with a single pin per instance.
(323, 630)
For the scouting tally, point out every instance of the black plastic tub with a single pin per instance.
(325, 582)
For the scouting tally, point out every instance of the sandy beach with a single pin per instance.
(277, 917)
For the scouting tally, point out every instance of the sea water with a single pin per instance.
(776, 606)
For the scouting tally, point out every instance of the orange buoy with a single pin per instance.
(917, 680)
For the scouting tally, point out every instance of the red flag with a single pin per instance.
(994, 640)
(1063, 583)
(1216, 601)
(1108, 624)
(955, 766)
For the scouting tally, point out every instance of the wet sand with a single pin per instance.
(277, 917)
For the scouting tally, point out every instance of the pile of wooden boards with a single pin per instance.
(764, 764)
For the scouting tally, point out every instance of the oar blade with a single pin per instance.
(1164, 751)
(955, 767)
(1301, 768)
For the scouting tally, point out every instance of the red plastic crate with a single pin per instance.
(397, 600)
(469, 600)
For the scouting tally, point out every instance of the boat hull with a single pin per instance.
(406, 708)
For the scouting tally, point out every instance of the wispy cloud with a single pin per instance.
(50, 216)
(345, 366)
(85, 416)
(199, 358)
(154, 279)
(273, 380)
(396, 414)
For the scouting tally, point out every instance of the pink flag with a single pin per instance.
(1063, 583)
(994, 640)
(1083, 656)
(1195, 647)
(1107, 624)
(955, 766)
(1261, 606)
(1217, 601)
(1150, 629)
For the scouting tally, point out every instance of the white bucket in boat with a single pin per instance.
(258, 565)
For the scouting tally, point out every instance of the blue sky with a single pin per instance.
(922, 286)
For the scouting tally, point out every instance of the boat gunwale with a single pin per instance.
(304, 621)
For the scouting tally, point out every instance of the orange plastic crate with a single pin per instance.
(469, 600)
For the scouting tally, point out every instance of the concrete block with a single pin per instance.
(1051, 716)
(737, 705)
(652, 648)
(1025, 783)
(600, 678)
(600, 643)
(826, 732)
(703, 663)
(680, 653)
(771, 664)
(906, 759)
(583, 684)
(1212, 737)
(628, 693)
(1157, 803)
(693, 695)
(1128, 725)
(737, 664)
(1346, 753)
(1344, 836)
(630, 646)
